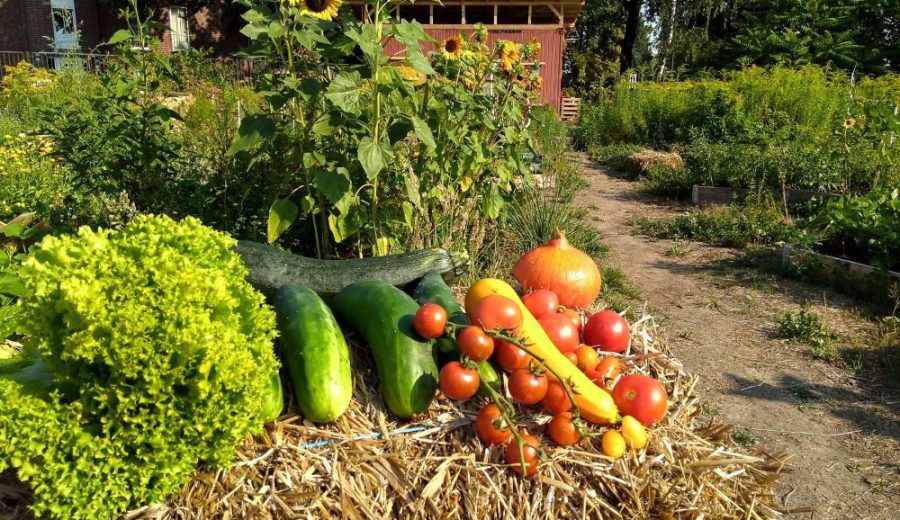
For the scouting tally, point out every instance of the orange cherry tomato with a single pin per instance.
(562, 430)
(497, 312)
(486, 426)
(509, 356)
(474, 343)
(529, 454)
(556, 401)
(587, 358)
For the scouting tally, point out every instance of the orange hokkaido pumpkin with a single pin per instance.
(562, 268)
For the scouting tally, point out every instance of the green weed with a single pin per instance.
(742, 437)
(807, 327)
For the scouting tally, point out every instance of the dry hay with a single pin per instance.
(368, 465)
(640, 163)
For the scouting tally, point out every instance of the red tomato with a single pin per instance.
(562, 430)
(529, 454)
(475, 344)
(527, 387)
(486, 426)
(430, 321)
(556, 401)
(571, 356)
(497, 312)
(587, 358)
(575, 316)
(561, 331)
(641, 397)
(510, 357)
(458, 382)
(608, 331)
(541, 303)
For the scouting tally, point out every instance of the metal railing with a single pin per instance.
(236, 68)
(53, 60)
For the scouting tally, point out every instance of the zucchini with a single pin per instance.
(433, 289)
(272, 268)
(274, 401)
(315, 353)
(382, 314)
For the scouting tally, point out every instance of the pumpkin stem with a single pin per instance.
(559, 238)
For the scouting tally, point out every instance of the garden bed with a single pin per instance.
(875, 284)
(708, 195)
(370, 465)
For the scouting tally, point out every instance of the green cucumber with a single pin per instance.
(433, 289)
(271, 268)
(315, 353)
(382, 314)
(274, 401)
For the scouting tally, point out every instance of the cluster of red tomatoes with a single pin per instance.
(640, 398)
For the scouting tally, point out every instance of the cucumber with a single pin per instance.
(433, 289)
(315, 353)
(271, 268)
(274, 401)
(382, 314)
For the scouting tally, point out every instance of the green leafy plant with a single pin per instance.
(385, 154)
(864, 228)
(808, 328)
(148, 354)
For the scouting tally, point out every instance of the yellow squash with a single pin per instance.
(594, 404)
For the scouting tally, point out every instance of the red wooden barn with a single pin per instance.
(515, 20)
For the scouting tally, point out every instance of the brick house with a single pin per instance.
(36, 26)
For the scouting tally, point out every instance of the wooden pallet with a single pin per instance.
(570, 108)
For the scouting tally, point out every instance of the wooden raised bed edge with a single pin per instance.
(869, 282)
(706, 195)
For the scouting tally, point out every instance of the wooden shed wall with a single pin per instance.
(552, 47)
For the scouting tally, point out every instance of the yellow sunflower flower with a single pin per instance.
(510, 55)
(452, 47)
(849, 123)
(532, 48)
(480, 33)
(321, 9)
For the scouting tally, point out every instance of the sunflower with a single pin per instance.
(532, 48)
(410, 74)
(452, 47)
(510, 55)
(849, 123)
(480, 33)
(321, 9)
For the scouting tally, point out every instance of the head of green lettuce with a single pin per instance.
(146, 354)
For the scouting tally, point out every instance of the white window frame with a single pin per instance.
(179, 15)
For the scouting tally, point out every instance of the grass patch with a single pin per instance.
(742, 437)
(806, 327)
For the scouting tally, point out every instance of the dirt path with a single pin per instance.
(719, 316)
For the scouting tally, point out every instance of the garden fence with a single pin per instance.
(237, 68)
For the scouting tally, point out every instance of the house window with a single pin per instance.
(178, 23)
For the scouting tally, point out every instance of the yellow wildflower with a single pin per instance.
(849, 123)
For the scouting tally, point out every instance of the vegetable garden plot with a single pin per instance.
(367, 465)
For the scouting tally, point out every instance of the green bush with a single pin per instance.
(613, 156)
(148, 354)
(670, 181)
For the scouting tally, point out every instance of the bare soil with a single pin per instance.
(841, 424)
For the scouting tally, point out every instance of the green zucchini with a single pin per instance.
(433, 289)
(315, 353)
(274, 401)
(382, 314)
(272, 268)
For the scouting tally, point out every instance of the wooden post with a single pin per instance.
(529, 14)
(431, 14)
(495, 14)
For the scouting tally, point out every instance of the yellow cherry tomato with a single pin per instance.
(613, 444)
(634, 432)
